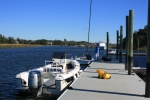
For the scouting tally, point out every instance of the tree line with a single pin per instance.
(140, 35)
(11, 40)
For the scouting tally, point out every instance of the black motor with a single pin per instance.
(88, 56)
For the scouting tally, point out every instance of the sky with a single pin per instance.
(69, 19)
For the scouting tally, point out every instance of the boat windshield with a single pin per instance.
(59, 55)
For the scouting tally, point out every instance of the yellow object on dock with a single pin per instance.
(102, 74)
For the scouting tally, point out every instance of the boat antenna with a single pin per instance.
(89, 25)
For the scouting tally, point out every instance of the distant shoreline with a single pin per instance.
(3, 46)
(17, 45)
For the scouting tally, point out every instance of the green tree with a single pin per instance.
(141, 34)
(3, 39)
(11, 40)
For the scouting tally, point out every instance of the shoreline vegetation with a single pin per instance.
(2, 46)
(139, 41)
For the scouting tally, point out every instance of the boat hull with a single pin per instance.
(55, 79)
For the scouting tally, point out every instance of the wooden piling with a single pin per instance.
(127, 44)
(117, 44)
(130, 55)
(137, 64)
(147, 86)
(121, 32)
(137, 45)
(107, 44)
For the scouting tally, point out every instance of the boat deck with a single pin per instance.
(121, 86)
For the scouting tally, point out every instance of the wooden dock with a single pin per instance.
(121, 86)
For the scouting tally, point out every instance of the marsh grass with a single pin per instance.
(16, 45)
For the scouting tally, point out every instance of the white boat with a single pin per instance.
(53, 78)
(85, 60)
(102, 45)
(112, 52)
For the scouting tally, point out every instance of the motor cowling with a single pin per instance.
(35, 79)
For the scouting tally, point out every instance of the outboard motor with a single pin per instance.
(35, 81)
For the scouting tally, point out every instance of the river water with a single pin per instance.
(16, 60)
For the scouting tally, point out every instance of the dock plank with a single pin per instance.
(121, 86)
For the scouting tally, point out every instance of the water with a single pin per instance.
(16, 60)
(138, 61)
